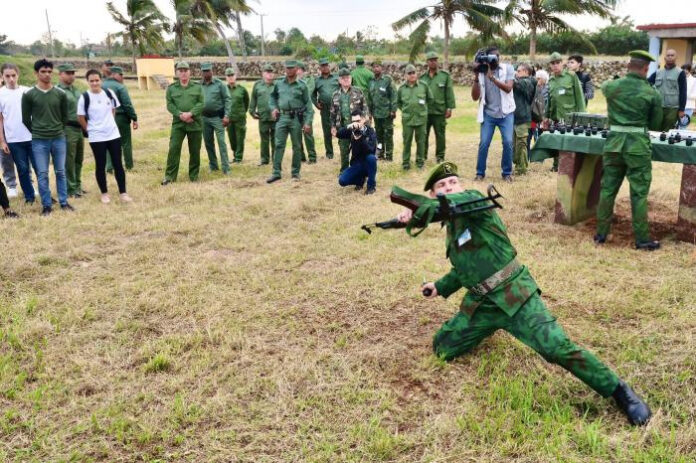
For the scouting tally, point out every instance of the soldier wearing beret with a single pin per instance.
(125, 115)
(413, 99)
(216, 116)
(308, 80)
(502, 293)
(345, 100)
(361, 76)
(382, 104)
(633, 107)
(440, 83)
(239, 105)
(74, 140)
(259, 110)
(324, 87)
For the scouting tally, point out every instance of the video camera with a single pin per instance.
(358, 131)
(484, 60)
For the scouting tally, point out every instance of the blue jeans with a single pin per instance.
(506, 125)
(41, 151)
(21, 155)
(358, 171)
(689, 112)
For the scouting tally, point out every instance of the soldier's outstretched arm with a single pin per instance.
(448, 284)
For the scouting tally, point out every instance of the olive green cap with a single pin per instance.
(229, 72)
(301, 65)
(360, 59)
(440, 171)
(291, 63)
(343, 72)
(67, 67)
(377, 62)
(182, 65)
(642, 55)
(323, 61)
(342, 65)
(116, 70)
(410, 68)
(555, 56)
(206, 67)
(267, 68)
(431, 55)
(108, 62)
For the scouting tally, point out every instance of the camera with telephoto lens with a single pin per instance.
(484, 60)
(358, 131)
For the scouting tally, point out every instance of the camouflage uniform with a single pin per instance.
(342, 105)
(632, 105)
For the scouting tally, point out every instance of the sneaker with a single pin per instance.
(105, 199)
(479, 178)
(507, 178)
(12, 192)
(273, 178)
(370, 191)
(124, 197)
(10, 214)
(46, 210)
(67, 207)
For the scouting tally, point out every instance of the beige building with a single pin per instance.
(680, 37)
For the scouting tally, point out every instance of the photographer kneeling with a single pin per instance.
(363, 162)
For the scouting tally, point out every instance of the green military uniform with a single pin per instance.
(216, 107)
(125, 114)
(667, 84)
(443, 100)
(259, 109)
(413, 101)
(633, 106)
(292, 100)
(382, 104)
(361, 76)
(74, 140)
(182, 99)
(239, 105)
(523, 91)
(343, 103)
(308, 137)
(501, 292)
(324, 88)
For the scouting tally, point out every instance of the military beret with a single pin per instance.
(431, 55)
(440, 171)
(116, 70)
(410, 68)
(267, 68)
(229, 72)
(360, 59)
(301, 65)
(555, 56)
(377, 62)
(642, 55)
(206, 67)
(323, 61)
(291, 63)
(67, 67)
(108, 62)
(182, 65)
(343, 72)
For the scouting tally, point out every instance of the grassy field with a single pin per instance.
(232, 321)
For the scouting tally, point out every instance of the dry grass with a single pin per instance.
(233, 321)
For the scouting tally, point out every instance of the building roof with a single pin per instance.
(652, 27)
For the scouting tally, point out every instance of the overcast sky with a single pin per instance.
(75, 20)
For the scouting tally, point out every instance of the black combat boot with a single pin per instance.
(648, 245)
(600, 239)
(631, 404)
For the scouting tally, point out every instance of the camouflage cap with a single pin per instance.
(291, 63)
(555, 56)
(267, 68)
(116, 70)
(67, 67)
(641, 55)
(410, 68)
(323, 61)
(431, 55)
(301, 65)
(440, 171)
(343, 72)
(206, 67)
(229, 71)
(377, 62)
(359, 59)
(182, 65)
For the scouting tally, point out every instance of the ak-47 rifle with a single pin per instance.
(445, 211)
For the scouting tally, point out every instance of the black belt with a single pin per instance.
(219, 113)
(292, 112)
(74, 124)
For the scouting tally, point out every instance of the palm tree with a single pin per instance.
(143, 25)
(542, 15)
(186, 24)
(479, 15)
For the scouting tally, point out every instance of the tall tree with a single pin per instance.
(480, 15)
(142, 24)
(543, 15)
(187, 25)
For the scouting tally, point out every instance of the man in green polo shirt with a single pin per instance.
(440, 83)
(125, 115)
(215, 117)
(291, 106)
(308, 80)
(324, 87)
(361, 76)
(239, 104)
(382, 104)
(185, 104)
(74, 140)
(259, 110)
(413, 99)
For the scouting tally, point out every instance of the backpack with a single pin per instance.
(85, 97)
(538, 105)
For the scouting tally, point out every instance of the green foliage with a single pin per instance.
(619, 39)
(25, 65)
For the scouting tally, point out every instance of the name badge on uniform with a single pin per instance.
(464, 238)
(441, 85)
(561, 91)
(421, 101)
(382, 89)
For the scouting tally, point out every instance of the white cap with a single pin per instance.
(542, 74)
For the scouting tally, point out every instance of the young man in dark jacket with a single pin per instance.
(363, 162)
(575, 65)
(523, 88)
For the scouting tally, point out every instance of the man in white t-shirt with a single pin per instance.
(690, 93)
(15, 139)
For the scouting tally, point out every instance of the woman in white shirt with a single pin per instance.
(690, 91)
(95, 112)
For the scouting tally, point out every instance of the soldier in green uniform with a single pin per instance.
(74, 141)
(565, 95)
(633, 107)
(501, 292)
(670, 82)
(291, 106)
(382, 104)
(413, 99)
(440, 83)
(215, 117)
(308, 80)
(185, 104)
(361, 76)
(344, 101)
(324, 87)
(259, 110)
(239, 105)
(125, 115)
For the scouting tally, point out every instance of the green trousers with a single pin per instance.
(344, 148)
(385, 136)
(326, 129)
(520, 156)
(123, 123)
(181, 130)
(310, 145)
(420, 133)
(536, 327)
(236, 132)
(267, 135)
(637, 168)
(212, 129)
(438, 123)
(669, 118)
(74, 156)
(285, 126)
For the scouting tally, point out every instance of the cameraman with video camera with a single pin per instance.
(363, 162)
(493, 90)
